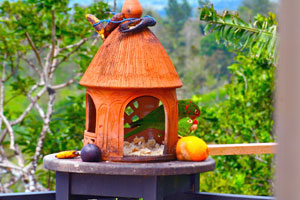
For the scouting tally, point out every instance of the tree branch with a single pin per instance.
(79, 44)
(2, 92)
(62, 85)
(45, 128)
(37, 54)
(10, 131)
(49, 58)
(53, 33)
(2, 136)
(37, 70)
(74, 45)
(95, 40)
(29, 107)
(6, 164)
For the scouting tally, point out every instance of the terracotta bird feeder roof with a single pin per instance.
(131, 60)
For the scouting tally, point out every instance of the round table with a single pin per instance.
(150, 181)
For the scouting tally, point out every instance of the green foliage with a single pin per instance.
(261, 35)
(250, 8)
(178, 13)
(245, 115)
(27, 25)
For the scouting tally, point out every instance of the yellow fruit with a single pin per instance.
(67, 154)
(191, 148)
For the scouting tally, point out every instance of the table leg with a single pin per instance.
(175, 187)
(147, 187)
(195, 182)
(62, 186)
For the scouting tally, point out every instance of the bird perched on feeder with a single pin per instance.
(104, 31)
(130, 25)
(137, 24)
(187, 126)
(156, 118)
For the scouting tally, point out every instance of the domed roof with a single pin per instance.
(131, 60)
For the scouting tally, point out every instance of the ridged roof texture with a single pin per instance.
(131, 60)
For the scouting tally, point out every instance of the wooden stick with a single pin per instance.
(242, 149)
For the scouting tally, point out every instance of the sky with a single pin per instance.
(159, 5)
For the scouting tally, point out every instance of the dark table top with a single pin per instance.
(75, 165)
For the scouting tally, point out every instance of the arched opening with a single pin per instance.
(91, 109)
(144, 127)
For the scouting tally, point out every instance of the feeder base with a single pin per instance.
(141, 159)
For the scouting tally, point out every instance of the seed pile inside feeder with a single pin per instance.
(139, 147)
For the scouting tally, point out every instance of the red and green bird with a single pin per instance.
(187, 126)
(156, 118)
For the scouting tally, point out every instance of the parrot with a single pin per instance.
(156, 118)
(104, 31)
(187, 126)
(137, 24)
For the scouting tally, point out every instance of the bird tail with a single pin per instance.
(95, 22)
(135, 131)
(136, 123)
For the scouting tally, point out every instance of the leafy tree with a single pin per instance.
(178, 14)
(250, 8)
(260, 35)
(245, 115)
(45, 45)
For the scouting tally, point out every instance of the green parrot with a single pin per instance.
(187, 126)
(156, 118)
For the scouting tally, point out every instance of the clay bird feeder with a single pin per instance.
(130, 76)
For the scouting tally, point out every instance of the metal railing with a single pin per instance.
(182, 196)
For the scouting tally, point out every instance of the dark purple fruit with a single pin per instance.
(90, 153)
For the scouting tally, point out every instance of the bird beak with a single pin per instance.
(194, 126)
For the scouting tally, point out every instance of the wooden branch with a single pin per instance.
(3, 134)
(19, 156)
(62, 85)
(53, 33)
(37, 70)
(12, 182)
(77, 46)
(10, 131)
(45, 128)
(29, 107)
(8, 165)
(49, 59)
(73, 51)
(74, 45)
(37, 54)
(2, 92)
(55, 61)
(36, 105)
(40, 110)
(95, 40)
(242, 149)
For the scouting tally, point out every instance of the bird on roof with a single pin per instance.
(138, 24)
(156, 118)
(129, 25)
(105, 30)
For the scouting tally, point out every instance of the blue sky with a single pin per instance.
(159, 5)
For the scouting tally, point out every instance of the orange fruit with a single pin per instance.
(191, 148)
